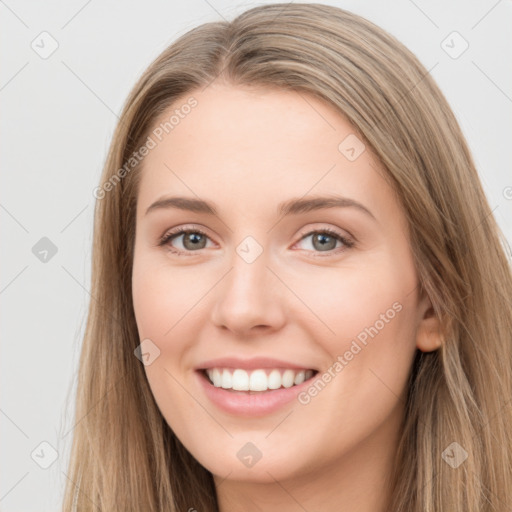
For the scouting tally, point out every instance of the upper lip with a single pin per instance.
(250, 364)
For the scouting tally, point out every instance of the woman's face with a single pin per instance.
(260, 285)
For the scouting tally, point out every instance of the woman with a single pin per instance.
(301, 298)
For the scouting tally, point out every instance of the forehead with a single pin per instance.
(257, 146)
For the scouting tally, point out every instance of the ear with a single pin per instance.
(428, 334)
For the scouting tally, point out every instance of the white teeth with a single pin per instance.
(287, 378)
(257, 380)
(274, 379)
(240, 380)
(216, 377)
(227, 380)
(300, 377)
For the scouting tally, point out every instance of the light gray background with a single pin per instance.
(58, 115)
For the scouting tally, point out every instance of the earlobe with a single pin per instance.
(428, 335)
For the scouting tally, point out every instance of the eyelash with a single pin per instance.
(167, 237)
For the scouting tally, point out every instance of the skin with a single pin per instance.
(246, 150)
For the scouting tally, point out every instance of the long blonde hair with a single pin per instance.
(124, 457)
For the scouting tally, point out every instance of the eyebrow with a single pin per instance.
(289, 207)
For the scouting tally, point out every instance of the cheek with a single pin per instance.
(164, 297)
(353, 301)
(370, 316)
(169, 305)
(164, 314)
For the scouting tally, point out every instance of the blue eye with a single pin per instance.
(325, 241)
(194, 239)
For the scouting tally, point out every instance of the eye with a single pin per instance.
(192, 239)
(326, 240)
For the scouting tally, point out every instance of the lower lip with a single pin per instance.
(242, 403)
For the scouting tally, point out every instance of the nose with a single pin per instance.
(249, 299)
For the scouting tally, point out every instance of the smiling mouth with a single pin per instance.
(258, 380)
